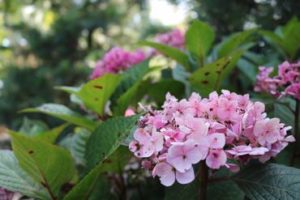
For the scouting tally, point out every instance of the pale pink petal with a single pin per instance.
(216, 140)
(216, 159)
(165, 172)
(258, 151)
(185, 177)
(177, 157)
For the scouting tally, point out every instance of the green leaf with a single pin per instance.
(127, 89)
(274, 39)
(32, 127)
(284, 111)
(209, 78)
(226, 190)
(198, 39)
(233, 42)
(270, 182)
(171, 52)
(114, 163)
(51, 135)
(130, 97)
(132, 75)
(13, 178)
(85, 187)
(183, 192)
(64, 113)
(78, 145)
(292, 37)
(96, 93)
(107, 138)
(49, 165)
(47, 136)
(158, 90)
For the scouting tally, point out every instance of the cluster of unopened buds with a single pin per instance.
(116, 60)
(285, 83)
(225, 130)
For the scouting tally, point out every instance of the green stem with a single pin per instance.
(203, 180)
(296, 131)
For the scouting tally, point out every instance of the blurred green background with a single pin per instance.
(48, 43)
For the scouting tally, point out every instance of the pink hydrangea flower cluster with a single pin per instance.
(174, 38)
(116, 60)
(224, 130)
(286, 82)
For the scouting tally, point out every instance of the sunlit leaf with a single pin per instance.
(49, 165)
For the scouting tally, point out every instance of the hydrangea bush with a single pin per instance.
(139, 130)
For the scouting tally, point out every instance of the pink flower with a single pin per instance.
(293, 90)
(216, 140)
(216, 158)
(129, 112)
(167, 174)
(146, 144)
(225, 130)
(174, 38)
(183, 155)
(285, 83)
(243, 150)
(117, 60)
(267, 131)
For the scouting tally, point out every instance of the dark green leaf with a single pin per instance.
(107, 138)
(270, 182)
(114, 163)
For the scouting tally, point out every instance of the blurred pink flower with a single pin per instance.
(285, 83)
(174, 38)
(116, 60)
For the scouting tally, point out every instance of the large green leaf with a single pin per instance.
(270, 182)
(85, 187)
(107, 138)
(64, 113)
(96, 93)
(47, 136)
(114, 163)
(13, 178)
(49, 165)
(157, 91)
(198, 39)
(171, 52)
(129, 98)
(209, 78)
(292, 37)
(233, 42)
(131, 76)
(288, 40)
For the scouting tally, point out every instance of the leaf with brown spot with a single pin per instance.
(209, 77)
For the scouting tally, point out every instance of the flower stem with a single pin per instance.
(296, 131)
(203, 180)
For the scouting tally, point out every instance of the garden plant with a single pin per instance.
(183, 116)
